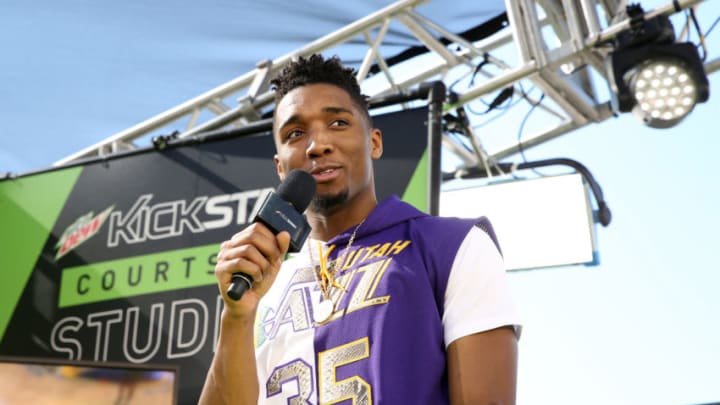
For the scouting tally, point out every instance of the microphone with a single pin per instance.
(281, 211)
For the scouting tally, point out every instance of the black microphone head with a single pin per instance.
(298, 189)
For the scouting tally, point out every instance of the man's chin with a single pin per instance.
(326, 203)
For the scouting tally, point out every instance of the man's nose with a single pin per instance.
(320, 143)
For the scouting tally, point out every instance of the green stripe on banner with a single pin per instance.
(417, 190)
(29, 207)
(128, 277)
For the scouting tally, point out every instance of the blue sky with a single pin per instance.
(640, 328)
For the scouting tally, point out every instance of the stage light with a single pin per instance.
(664, 92)
(659, 80)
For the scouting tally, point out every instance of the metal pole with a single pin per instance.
(436, 99)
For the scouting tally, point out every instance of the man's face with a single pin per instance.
(317, 128)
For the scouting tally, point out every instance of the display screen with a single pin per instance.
(55, 381)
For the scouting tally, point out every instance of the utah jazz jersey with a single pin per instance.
(411, 284)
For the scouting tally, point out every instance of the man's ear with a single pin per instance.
(376, 144)
(279, 168)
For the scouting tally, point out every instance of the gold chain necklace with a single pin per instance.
(325, 277)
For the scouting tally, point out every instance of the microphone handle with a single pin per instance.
(241, 282)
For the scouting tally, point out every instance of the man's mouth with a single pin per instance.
(324, 173)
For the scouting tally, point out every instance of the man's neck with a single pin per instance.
(330, 223)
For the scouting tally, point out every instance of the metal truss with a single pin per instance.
(567, 73)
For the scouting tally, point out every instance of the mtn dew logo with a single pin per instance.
(81, 230)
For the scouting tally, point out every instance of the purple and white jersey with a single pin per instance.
(412, 284)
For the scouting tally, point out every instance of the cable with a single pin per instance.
(504, 109)
(479, 66)
(520, 131)
(701, 37)
(525, 94)
(604, 215)
(487, 121)
(460, 124)
(474, 73)
(712, 26)
(455, 83)
(504, 95)
(477, 147)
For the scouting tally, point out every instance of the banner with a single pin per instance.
(113, 261)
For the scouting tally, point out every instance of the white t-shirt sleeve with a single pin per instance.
(478, 296)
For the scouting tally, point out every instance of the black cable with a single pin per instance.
(504, 95)
(700, 34)
(604, 215)
(525, 96)
(479, 66)
(451, 87)
(474, 72)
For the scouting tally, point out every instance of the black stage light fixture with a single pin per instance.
(650, 74)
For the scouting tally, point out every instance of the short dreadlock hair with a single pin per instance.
(317, 69)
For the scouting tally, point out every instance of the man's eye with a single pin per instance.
(293, 134)
(339, 123)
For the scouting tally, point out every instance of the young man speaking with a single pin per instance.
(383, 304)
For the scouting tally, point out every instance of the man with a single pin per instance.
(383, 304)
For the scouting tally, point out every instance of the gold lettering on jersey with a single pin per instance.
(398, 247)
(363, 269)
(362, 255)
(363, 295)
(368, 251)
(351, 260)
(381, 251)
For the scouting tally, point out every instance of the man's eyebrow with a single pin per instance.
(291, 120)
(337, 110)
(330, 109)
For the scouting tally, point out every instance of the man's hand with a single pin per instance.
(257, 252)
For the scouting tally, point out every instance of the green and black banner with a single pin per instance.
(112, 260)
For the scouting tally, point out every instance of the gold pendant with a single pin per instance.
(324, 311)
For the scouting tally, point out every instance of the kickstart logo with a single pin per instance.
(81, 230)
(147, 220)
